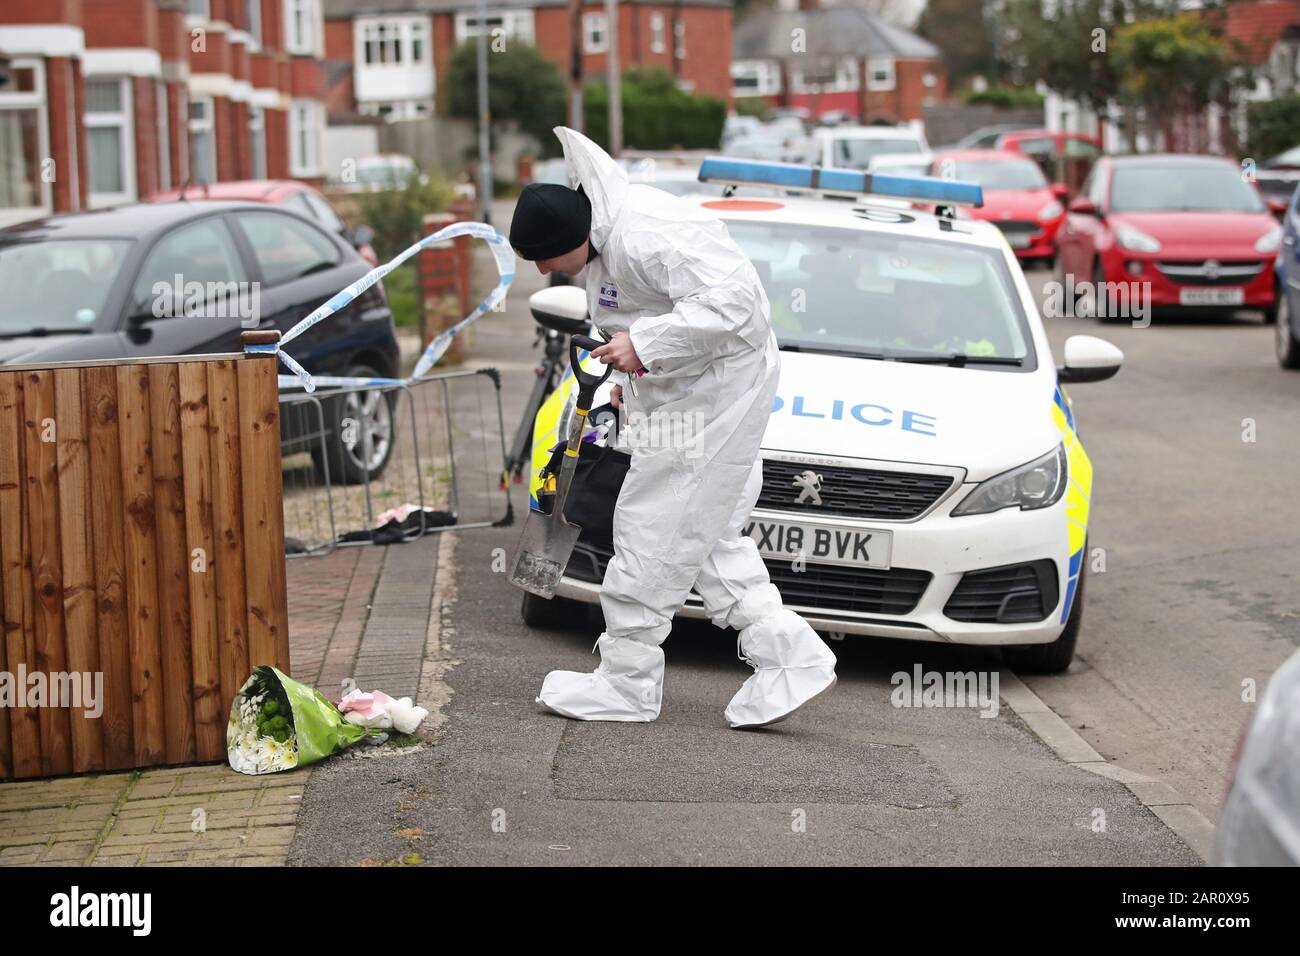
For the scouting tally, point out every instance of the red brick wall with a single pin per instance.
(906, 101)
(178, 106)
(145, 118)
(338, 40)
(71, 186)
(277, 144)
(121, 23)
(224, 134)
(307, 78)
(44, 11)
(708, 43)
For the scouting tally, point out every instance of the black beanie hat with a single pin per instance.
(549, 221)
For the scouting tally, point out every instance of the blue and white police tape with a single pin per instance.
(502, 254)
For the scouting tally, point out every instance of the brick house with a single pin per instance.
(835, 59)
(399, 50)
(106, 101)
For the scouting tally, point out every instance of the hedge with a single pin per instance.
(656, 114)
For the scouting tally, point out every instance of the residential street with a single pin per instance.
(852, 779)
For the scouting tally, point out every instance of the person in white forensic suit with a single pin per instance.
(689, 326)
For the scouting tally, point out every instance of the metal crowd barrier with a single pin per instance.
(446, 451)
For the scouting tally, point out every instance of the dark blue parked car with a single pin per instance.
(188, 277)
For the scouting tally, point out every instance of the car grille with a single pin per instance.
(857, 492)
(865, 590)
(1018, 226)
(1014, 594)
(1192, 272)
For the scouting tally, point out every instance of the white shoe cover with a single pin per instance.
(628, 684)
(792, 665)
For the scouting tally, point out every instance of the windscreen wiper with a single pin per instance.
(959, 359)
(41, 331)
(831, 350)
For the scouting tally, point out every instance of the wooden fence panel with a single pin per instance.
(141, 556)
(109, 545)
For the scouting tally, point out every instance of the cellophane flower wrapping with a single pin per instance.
(277, 724)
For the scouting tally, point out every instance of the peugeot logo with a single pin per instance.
(809, 484)
(1211, 268)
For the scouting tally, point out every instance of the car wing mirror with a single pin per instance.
(1089, 359)
(561, 308)
(1060, 191)
(1085, 207)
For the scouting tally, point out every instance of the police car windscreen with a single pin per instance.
(850, 290)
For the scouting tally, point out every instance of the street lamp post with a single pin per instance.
(484, 119)
(614, 80)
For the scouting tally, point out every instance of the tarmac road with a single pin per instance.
(852, 779)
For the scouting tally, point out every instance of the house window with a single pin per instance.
(516, 24)
(658, 34)
(22, 138)
(109, 147)
(679, 35)
(825, 76)
(403, 42)
(203, 144)
(595, 33)
(302, 26)
(880, 75)
(253, 17)
(200, 8)
(257, 140)
(755, 78)
(164, 127)
(306, 126)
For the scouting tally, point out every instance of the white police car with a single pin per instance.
(923, 478)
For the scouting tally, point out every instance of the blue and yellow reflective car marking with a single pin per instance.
(546, 427)
(1078, 494)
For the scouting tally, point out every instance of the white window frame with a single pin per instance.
(253, 14)
(310, 40)
(766, 72)
(163, 128)
(658, 33)
(518, 25)
(883, 65)
(401, 33)
(679, 38)
(204, 13)
(595, 33)
(308, 164)
(124, 120)
(257, 140)
(27, 101)
(206, 124)
(846, 79)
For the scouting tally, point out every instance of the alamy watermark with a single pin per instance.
(209, 300)
(82, 690)
(920, 688)
(1115, 300)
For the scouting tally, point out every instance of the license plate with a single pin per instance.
(1019, 240)
(1212, 296)
(821, 544)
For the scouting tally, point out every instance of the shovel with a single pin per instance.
(548, 539)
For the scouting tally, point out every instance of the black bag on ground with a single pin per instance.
(597, 481)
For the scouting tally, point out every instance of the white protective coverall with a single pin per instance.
(669, 274)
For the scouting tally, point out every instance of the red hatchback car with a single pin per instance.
(289, 193)
(1018, 199)
(1188, 231)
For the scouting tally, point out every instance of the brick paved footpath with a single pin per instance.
(151, 817)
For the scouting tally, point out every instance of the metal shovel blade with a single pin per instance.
(543, 553)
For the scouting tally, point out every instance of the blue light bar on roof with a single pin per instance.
(843, 182)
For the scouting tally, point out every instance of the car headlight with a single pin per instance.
(1135, 239)
(1270, 241)
(1036, 484)
(1051, 210)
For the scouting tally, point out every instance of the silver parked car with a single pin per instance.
(1260, 824)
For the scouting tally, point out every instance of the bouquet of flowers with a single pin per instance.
(277, 724)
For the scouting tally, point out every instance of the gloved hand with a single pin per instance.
(619, 353)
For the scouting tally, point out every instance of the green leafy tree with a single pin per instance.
(1274, 126)
(1171, 65)
(959, 29)
(523, 86)
(656, 114)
